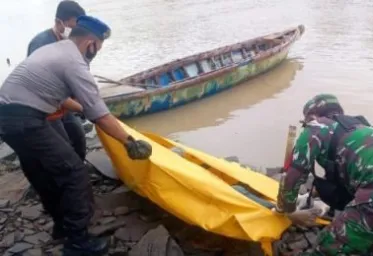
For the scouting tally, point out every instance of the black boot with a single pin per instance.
(85, 246)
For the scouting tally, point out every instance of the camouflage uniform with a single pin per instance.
(352, 231)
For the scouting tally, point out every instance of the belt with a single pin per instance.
(18, 110)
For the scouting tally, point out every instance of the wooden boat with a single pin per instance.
(198, 76)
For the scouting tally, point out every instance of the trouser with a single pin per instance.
(51, 165)
(350, 233)
(70, 128)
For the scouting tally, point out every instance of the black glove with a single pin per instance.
(138, 149)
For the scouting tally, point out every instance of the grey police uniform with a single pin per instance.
(51, 75)
(69, 126)
(33, 90)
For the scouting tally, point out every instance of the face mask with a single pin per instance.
(90, 54)
(66, 32)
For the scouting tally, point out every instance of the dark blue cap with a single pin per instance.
(95, 26)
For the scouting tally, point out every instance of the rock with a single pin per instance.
(4, 203)
(151, 217)
(121, 189)
(106, 213)
(55, 251)
(3, 220)
(90, 132)
(31, 213)
(273, 171)
(8, 240)
(108, 228)
(134, 229)
(28, 225)
(106, 220)
(93, 143)
(28, 232)
(156, 242)
(120, 249)
(277, 176)
(302, 244)
(20, 247)
(121, 234)
(33, 252)
(6, 210)
(121, 210)
(42, 221)
(48, 226)
(19, 235)
(112, 201)
(42, 237)
(107, 181)
(14, 186)
(234, 159)
(38, 206)
(151, 213)
(5, 150)
(102, 163)
(17, 224)
(311, 237)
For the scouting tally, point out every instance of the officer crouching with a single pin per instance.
(36, 88)
(343, 146)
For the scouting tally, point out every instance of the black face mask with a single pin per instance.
(90, 55)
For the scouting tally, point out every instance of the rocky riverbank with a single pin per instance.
(135, 226)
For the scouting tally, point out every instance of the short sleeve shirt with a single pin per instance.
(49, 76)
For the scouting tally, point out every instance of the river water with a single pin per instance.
(249, 121)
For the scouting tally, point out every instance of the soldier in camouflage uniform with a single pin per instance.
(349, 175)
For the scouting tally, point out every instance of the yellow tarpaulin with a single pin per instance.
(197, 189)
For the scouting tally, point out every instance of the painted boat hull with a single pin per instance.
(156, 100)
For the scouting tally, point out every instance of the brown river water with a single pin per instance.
(335, 55)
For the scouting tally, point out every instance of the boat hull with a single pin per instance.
(156, 100)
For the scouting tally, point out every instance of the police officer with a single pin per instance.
(63, 120)
(343, 146)
(35, 89)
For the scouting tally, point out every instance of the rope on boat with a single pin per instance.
(107, 80)
(111, 81)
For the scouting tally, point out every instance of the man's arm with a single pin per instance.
(306, 149)
(110, 125)
(85, 90)
(72, 105)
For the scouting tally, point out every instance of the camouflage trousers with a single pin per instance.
(350, 233)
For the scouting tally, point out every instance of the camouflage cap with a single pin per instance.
(322, 105)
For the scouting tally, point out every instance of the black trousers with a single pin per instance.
(70, 127)
(51, 165)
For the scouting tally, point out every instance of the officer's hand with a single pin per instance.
(305, 217)
(138, 149)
